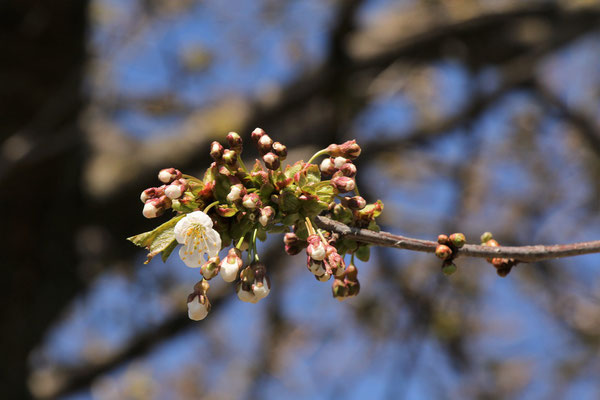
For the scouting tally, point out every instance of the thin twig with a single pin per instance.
(519, 253)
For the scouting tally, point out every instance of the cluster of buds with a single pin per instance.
(197, 301)
(232, 205)
(447, 250)
(342, 172)
(272, 153)
(502, 265)
(159, 199)
(346, 285)
(254, 284)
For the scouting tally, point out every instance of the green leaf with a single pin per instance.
(363, 253)
(160, 239)
(291, 170)
(288, 202)
(325, 191)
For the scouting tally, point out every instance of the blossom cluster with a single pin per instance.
(232, 205)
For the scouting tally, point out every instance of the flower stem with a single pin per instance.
(242, 165)
(240, 242)
(211, 205)
(254, 244)
(317, 154)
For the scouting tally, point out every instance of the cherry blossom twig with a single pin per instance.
(520, 253)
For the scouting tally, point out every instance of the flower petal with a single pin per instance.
(181, 228)
(198, 217)
(213, 241)
(192, 259)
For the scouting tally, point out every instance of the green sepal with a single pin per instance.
(160, 239)
(363, 253)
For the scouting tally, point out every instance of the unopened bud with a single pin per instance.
(251, 201)
(354, 203)
(442, 239)
(236, 192)
(327, 167)
(271, 161)
(323, 278)
(210, 269)
(235, 141)
(266, 215)
(231, 265)
(338, 162)
(265, 144)
(216, 150)
(348, 149)
(176, 189)
(348, 170)
(151, 193)
(153, 208)
(230, 157)
(486, 236)
(458, 239)
(280, 150)
(196, 310)
(448, 268)
(168, 175)
(443, 251)
(352, 273)
(343, 183)
(257, 134)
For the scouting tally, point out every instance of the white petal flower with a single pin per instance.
(234, 193)
(229, 270)
(195, 233)
(197, 310)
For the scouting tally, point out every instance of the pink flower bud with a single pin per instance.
(236, 192)
(265, 144)
(266, 215)
(280, 150)
(153, 208)
(339, 161)
(151, 193)
(354, 203)
(216, 151)
(229, 157)
(327, 166)
(251, 201)
(257, 134)
(235, 141)
(176, 189)
(348, 170)
(168, 175)
(348, 149)
(343, 183)
(271, 160)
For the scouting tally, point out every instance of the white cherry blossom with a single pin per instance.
(195, 233)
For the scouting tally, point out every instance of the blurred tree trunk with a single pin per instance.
(41, 151)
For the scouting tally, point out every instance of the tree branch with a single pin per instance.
(519, 253)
